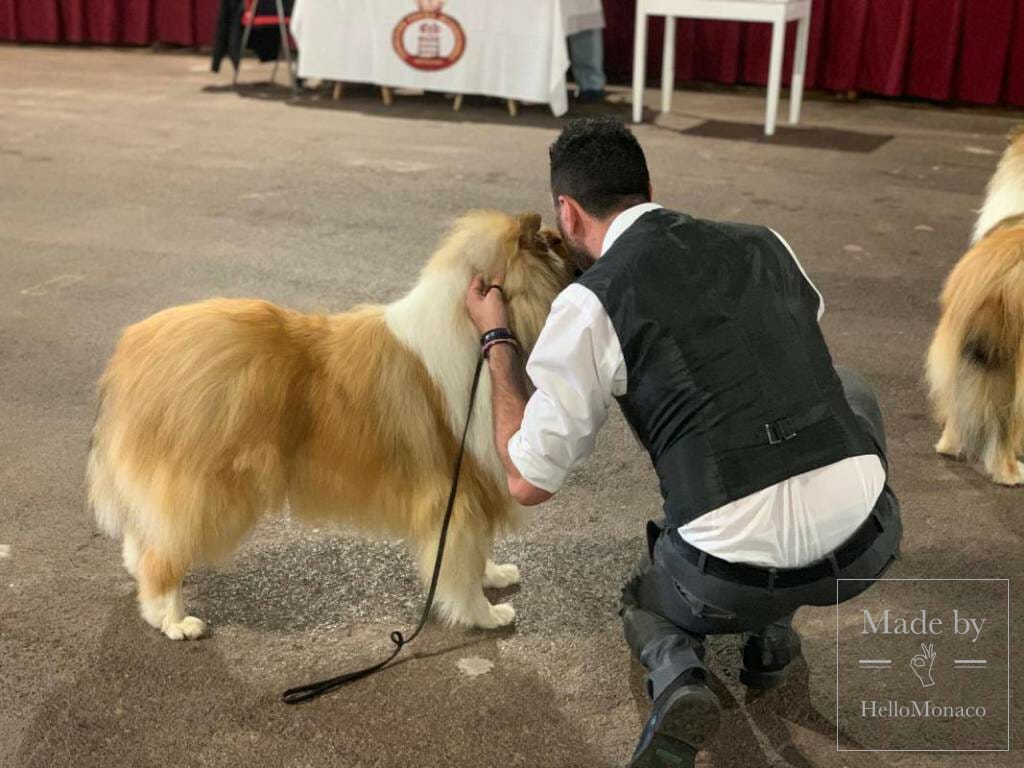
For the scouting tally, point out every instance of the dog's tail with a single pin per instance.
(101, 490)
(984, 355)
(986, 377)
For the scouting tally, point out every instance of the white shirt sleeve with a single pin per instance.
(821, 299)
(577, 368)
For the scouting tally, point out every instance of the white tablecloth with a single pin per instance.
(513, 49)
(581, 15)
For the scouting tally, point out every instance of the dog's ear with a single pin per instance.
(529, 226)
(551, 236)
(1016, 133)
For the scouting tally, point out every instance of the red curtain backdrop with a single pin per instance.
(109, 22)
(945, 50)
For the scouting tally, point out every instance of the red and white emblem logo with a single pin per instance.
(429, 39)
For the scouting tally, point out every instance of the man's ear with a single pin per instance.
(570, 217)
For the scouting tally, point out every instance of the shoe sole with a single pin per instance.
(763, 680)
(690, 721)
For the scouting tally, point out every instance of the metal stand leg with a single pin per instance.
(338, 90)
(387, 95)
(245, 40)
(286, 45)
(513, 108)
(457, 104)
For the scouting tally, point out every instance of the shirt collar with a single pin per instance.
(624, 221)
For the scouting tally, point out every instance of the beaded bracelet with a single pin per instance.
(495, 342)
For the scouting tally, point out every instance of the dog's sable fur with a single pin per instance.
(975, 365)
(217, 413)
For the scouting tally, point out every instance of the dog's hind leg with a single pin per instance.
(999, 426)
(1000, 454)
(160, 600)
(1005, 469)
(460, 596)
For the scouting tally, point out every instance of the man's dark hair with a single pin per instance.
(598, 162)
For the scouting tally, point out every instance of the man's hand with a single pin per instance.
(486, 305)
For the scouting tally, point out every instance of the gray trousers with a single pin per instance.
(669, 605)
(586, 56)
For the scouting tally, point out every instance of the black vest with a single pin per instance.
(730, 386)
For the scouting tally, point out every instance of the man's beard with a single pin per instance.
(581, 258)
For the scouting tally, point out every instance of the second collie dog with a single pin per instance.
(975, 364)
(217, 413)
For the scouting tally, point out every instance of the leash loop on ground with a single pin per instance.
(311, 691)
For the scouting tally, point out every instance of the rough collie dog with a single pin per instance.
(217, 413)
(975, 364)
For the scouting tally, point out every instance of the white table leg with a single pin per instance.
(668, 65)
(775, 76)
(639, 60)
(796, 87)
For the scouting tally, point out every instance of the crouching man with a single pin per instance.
(771, 461)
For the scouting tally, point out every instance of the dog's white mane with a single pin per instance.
(431, 320)
(1005, 196)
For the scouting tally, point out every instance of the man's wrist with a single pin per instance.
(499, 349)
(496, 332)
(497, 337)
(497, 344)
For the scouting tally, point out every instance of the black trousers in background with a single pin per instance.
(669, 605)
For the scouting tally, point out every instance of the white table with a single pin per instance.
(776, 12)
(512, 50)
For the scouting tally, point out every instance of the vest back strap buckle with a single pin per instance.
(779, 431)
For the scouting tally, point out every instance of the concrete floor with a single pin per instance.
(130, 182)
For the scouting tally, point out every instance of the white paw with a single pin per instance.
(1010, 477)
(500, 615)
(949, 450)
(130, 555)
(501, 576)
(189, 628)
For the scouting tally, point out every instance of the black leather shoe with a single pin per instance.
(766, 659)
(683, 719)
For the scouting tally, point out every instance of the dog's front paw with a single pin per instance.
(501, 615)
(501, 576)
(189, 628)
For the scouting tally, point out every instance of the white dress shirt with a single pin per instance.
(577, 367)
